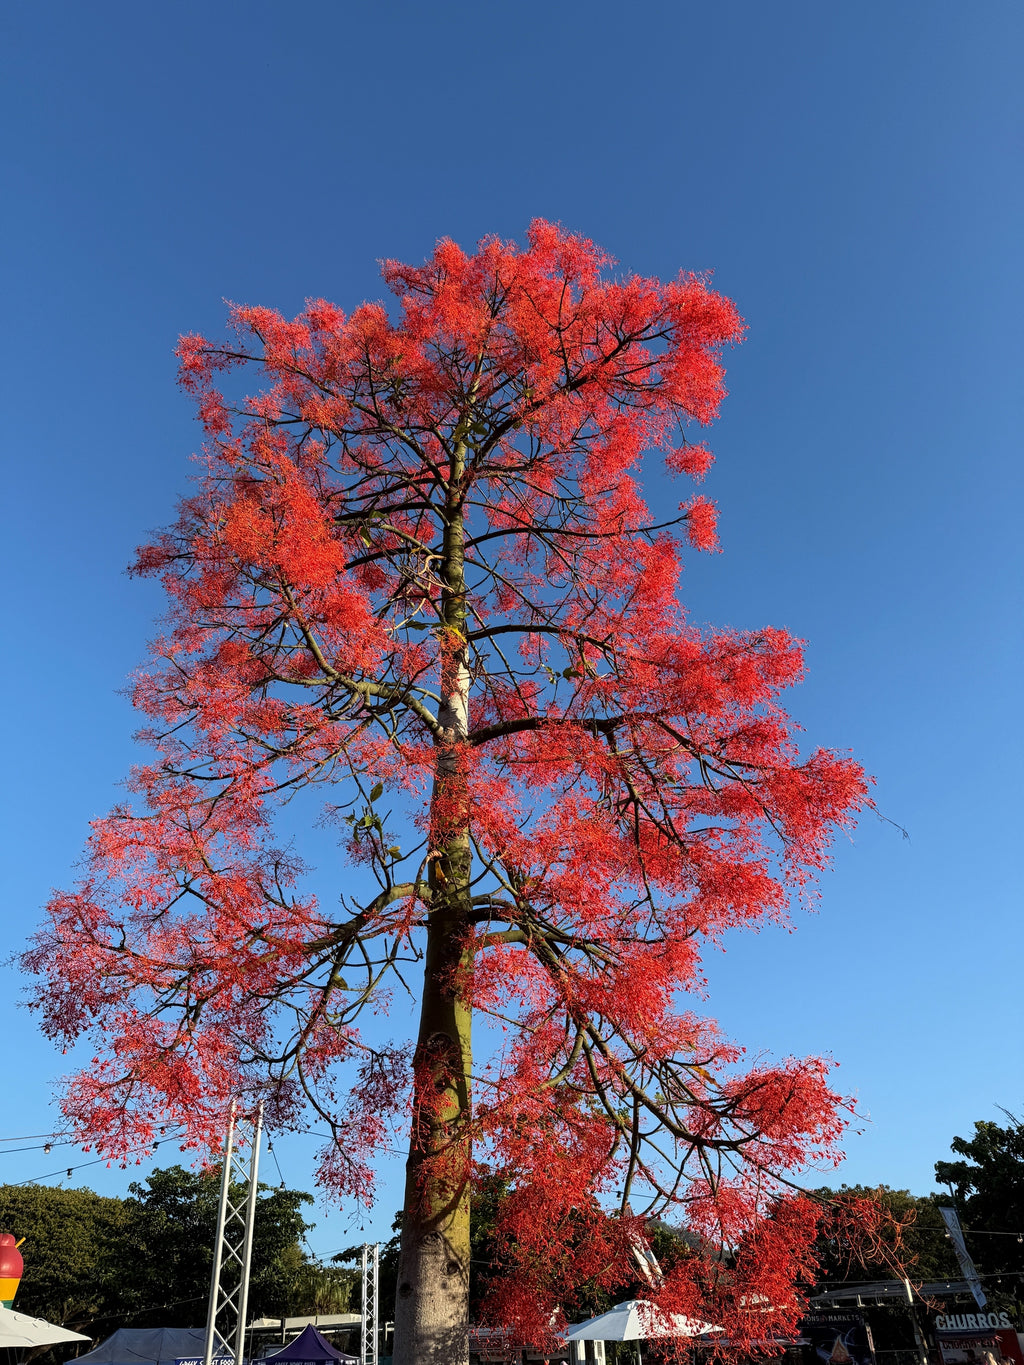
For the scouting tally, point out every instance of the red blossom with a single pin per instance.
(702, 523)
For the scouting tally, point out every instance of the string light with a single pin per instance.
(83, 1164)
(47, 1146)
(27, 1137)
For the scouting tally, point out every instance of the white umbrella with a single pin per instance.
(18, 1329)
(636, 1320)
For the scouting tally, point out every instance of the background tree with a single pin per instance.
(390, 1255)
(418, 573)
(912, 1241)
(96, 1264)
(317, 1288)
(71, 1251)
(987, 1186)
(166, 1249)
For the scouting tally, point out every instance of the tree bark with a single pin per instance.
(432, 1300)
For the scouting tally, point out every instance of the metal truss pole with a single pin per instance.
(236, 1217)
(371, 1275)
(211, 1344)
(250, 1223)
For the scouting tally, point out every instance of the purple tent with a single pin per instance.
(312, 1347)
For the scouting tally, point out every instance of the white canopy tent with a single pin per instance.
(636, 1320)
(18, 1329)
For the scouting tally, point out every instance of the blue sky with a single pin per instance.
(847, 171)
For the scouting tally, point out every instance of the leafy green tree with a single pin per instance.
(318, 1288)
(96, 1264)
(70, 1250)
(912, 1241)
(387, 1278)
(167, 1250)
(988, 1190)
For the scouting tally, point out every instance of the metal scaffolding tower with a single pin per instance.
(371, 1274)
(232, 1253)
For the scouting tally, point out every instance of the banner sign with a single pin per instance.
(972, 1322)
(839, 1338)
(956, 1236)
(978, 1339)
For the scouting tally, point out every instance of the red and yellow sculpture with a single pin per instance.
(11, 1267)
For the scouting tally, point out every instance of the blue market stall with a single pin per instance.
(148, 1346)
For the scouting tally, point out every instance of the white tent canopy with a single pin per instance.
(18, 1329)
(636, 1320)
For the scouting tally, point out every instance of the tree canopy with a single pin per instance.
(987, 1185)
(911, 1242)
(418, 575)
(95, 1263)
(171, 1219)
(71, 1251)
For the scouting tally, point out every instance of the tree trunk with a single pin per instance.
(432, 1301)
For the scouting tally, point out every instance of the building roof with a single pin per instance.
(890, 1289)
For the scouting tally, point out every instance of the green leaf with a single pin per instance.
(378, 791)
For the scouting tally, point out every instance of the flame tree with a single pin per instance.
(418, 574)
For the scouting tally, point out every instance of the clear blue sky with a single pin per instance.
(848, 171)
